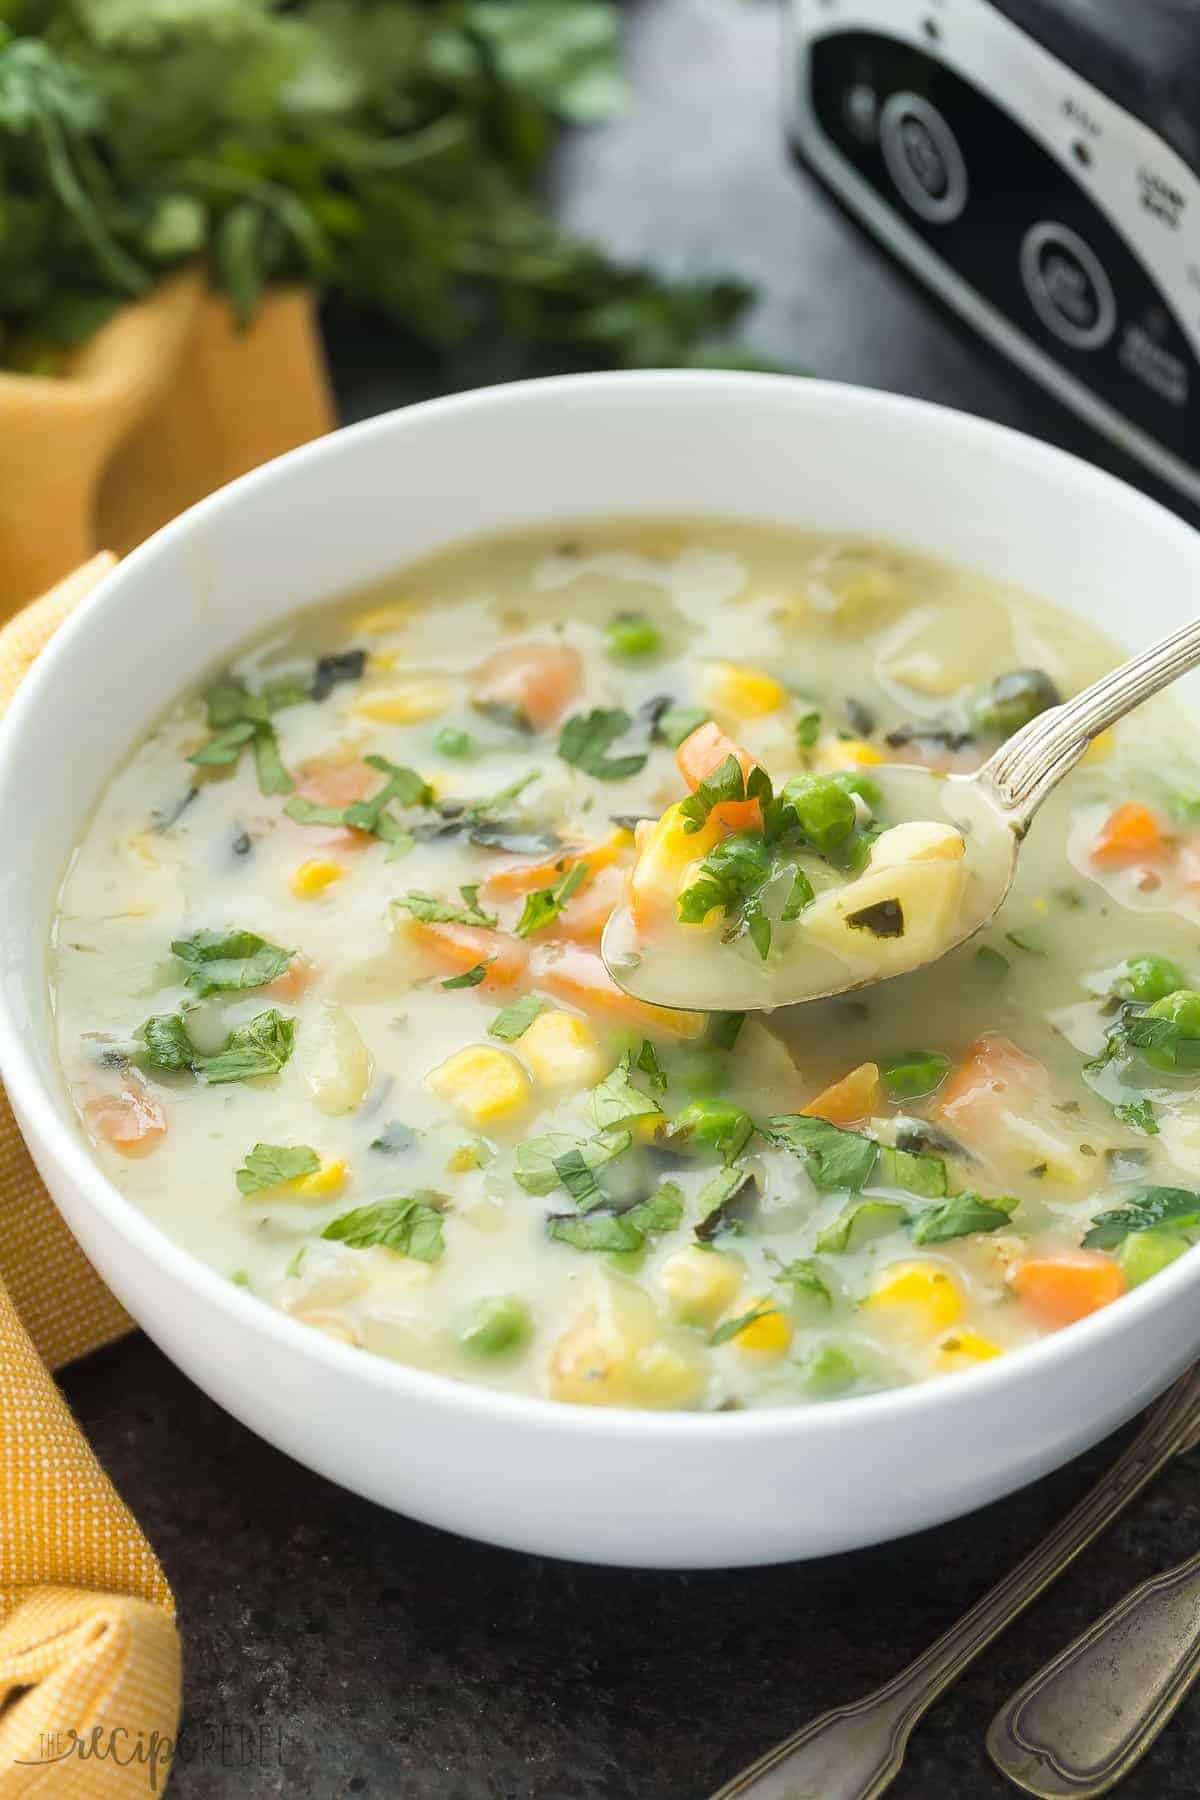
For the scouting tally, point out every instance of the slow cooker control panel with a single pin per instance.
(1059, 226)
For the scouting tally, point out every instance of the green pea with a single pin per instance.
(632, 635)
(1146, 978)
(823, 807)
(698, 1072)
(712, 1124)
(495, 1326)
(1181, 1048)
(914, 1074)
(1013, 699)
(1145, 1253)
(854, 781)
(449, 741)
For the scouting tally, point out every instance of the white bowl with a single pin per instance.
(636, 1488)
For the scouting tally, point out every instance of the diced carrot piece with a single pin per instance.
(1060, 1289)
(849, 1101)
(132, 1121)
(347, 838)
(537, 680)
(705, 750)
(296, 981)
(578, 975)
(994, 1069)
(1130, 834)
(336, 780)
(511, 880)
(586, 913)
(461, 947)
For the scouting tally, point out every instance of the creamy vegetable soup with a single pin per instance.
(331, 1007)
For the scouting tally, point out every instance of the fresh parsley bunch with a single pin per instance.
(390, 152)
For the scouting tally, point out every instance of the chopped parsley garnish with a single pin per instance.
(403, 786)
(407, 1224)
(432, 911)
(271, 1165)
(860, 1224)
(991, 963)
(914, 1173)
(808, 730)
(724, 785)
(732, 1327)
(675, 723)
(586, 738)
(647, 1061)
(543, 907)
(470, 977)
(620, 1232)
(618, 1098)
(729, 880)
(719, 1201)
(394, 1138)
(514, 1021)
(260, 1047)
(237, 717)
(222, 962)
(559, 1159)
(1027, 941)
(723, 1029)
(803, 1277)
(962, 1216)
(802, 894)
(1151, 1207)
(1138, 1113)
(834, 1159)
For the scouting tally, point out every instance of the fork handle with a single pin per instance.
(1080, 1724)
(855, 1752)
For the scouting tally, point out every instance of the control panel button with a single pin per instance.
(923, 158)
(1067, 286)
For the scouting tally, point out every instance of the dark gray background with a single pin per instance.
(376, 1656)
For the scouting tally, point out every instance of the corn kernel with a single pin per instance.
(768, 1335)
(963, 1349)
(700, 1284)
(743, 693)
(464, 1158)
(920, 1299)
(1040, 906)
(562, 1052)
(848, 753)
(382, 662)
(311, 879)
(407, 703)
(322, 1184)
(614, 1354)
(381, 619)
(665, 851)
(483, 1083)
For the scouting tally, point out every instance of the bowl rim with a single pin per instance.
(47, 1122)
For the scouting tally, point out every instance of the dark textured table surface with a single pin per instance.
(335, 1649)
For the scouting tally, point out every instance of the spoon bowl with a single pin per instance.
(916, 914)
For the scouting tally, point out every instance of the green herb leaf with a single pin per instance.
(395, 1138)
(860, 1224)
(723, 1029)
(226, 961)
(430, 910)
(803, 1277)
(543, 907)
(404, 786)
(916, 1174)
(576, 1168)
(724, 785)
(534, 1169)
(808, 730)
(260, 1048)
(408, 1224)
(1151, 1207)
(677, 723)
(165, 1041)
(1027, 941)
(647, 1061)
(991, 963)
(271, 1165)
(663, 1211)
(732, 1327)
(620, 1232)
(962, 1216)
(514, 1021)
(238, 718)
(915, 1074)
(1140, 1114)
(716, 1201)
(586, 738)
(833, 1158)
(617, 1098)
(470, 977)
(802, 895)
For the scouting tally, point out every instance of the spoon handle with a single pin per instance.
(1035, 759)
(1080, 1724)
(855, 1752)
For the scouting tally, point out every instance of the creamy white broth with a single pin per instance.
(873, 640)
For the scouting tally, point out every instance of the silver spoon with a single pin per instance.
(992, 807)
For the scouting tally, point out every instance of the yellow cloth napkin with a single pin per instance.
(89, 1652)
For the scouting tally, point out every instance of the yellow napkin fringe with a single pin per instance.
(89, 1652)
